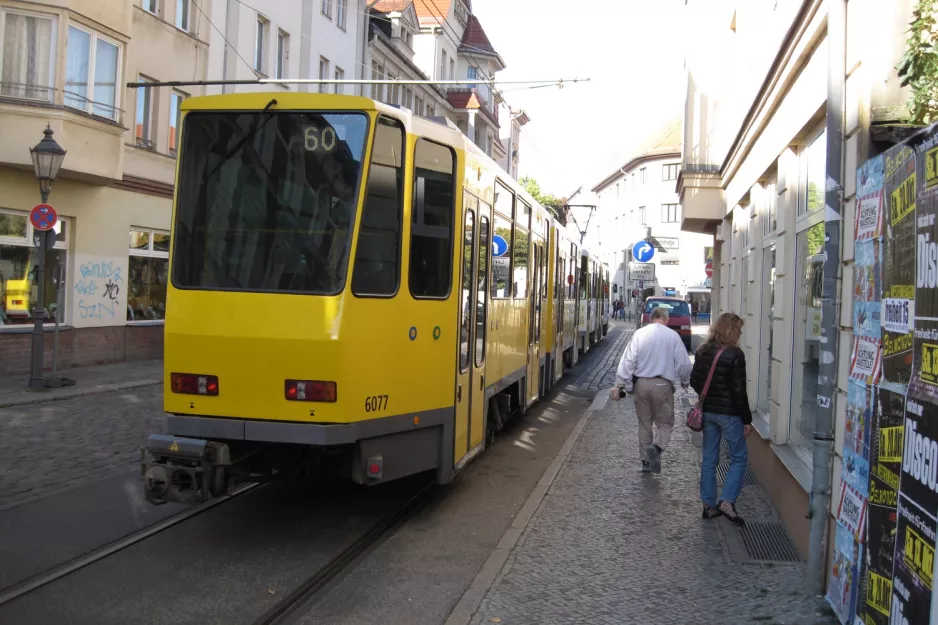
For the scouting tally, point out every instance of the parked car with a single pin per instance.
(679, 318)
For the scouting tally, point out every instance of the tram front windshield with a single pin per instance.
(267, 200)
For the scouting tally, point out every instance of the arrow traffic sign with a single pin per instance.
(499, 245)
(643, 251)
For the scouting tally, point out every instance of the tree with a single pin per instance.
(554, 204)
(918, 66)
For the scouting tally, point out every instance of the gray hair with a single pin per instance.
(659, 314)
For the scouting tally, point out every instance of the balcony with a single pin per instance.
(478, 98)
(95, 146)
(701, 195)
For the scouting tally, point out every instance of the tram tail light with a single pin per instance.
(194, 384)
(310, 390)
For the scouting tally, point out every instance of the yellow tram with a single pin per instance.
(355, 285)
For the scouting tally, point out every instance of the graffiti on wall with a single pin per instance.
(99, 295)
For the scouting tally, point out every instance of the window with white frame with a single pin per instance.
(327, 8)
(341, 14)
(18, 258)
(323, 74)
(145, 136)
(151, 6)
(452, 69)
(377, 73)
(260, 44)
(92, 68)
(769, 217)
(643, 173)
(148, 273)
(283, 53)
(641, 215)
(27, 55)
(182, 14)
(339, 75)
(670, 213)
(669, 172)
(443, 66)
(175, 120)
(813, 168)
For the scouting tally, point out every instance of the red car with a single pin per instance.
(678, 315)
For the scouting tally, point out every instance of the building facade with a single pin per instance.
(639, 201)
(65, 64)
(763, 81)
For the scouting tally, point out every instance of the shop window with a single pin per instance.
(378, 252)
(807, 351)
(768, 313)
(18, 257)
(27, 56)
(813, 164)
(431, 242)
(92, 70)
(148, 275)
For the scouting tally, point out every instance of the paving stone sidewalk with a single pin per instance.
(86, 382)
(612, 545)
(53, 446)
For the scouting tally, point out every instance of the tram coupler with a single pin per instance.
(183, 470)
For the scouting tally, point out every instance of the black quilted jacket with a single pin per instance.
(727, 394)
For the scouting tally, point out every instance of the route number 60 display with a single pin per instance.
(317, 139)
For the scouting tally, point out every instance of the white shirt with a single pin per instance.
(655, 351)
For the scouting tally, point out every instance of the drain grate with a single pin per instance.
(769, 542)
(749, 478)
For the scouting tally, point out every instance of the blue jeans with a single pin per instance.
(731, 428)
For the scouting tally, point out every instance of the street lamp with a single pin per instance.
(47, 158)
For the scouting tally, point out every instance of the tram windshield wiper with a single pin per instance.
(247, 137)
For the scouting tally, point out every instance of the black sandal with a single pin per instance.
(729, 511)
(710, 513)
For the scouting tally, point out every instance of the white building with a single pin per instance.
(511, 122)
(287, 39)
(637, 201)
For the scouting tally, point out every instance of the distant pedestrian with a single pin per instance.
(726, 413)
(653, 364)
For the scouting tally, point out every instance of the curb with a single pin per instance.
(78, 392)
(473, 596)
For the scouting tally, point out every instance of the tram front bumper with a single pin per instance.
(183, 470)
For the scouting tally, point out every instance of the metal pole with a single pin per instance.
(39, 314)
(830, 330)
(59, 302)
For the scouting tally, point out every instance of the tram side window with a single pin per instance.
(502, 242)
(520, 263)
(584, 277)
(572, 272)
(431, 241)
(378, 253)
(543, 271)
(501, 263)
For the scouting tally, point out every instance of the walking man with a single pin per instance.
(654, 362)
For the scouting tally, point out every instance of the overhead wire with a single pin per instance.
(227, 43)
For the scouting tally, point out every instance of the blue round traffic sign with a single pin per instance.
(43, 217)
(499, 245)
(643, 251)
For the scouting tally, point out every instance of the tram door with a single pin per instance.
(534, 327)
(470, 378)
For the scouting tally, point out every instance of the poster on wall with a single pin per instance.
(842, 587)
(869, 216)
(913, 566)
(919, 476)
(867, 287)
(885, 461)
(866, 362)
(924, 383)
(898, 272)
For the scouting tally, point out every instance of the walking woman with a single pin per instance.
(726, 413)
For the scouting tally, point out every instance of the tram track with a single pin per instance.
(241, 556)
(58, 572)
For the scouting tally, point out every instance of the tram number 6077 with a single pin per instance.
(316, 139)
(376, 403)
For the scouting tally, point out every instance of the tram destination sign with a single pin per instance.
(641, 271)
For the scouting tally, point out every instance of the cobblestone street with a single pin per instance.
(54, 446)
(609, 544)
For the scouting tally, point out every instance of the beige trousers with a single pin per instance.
(654, 403)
